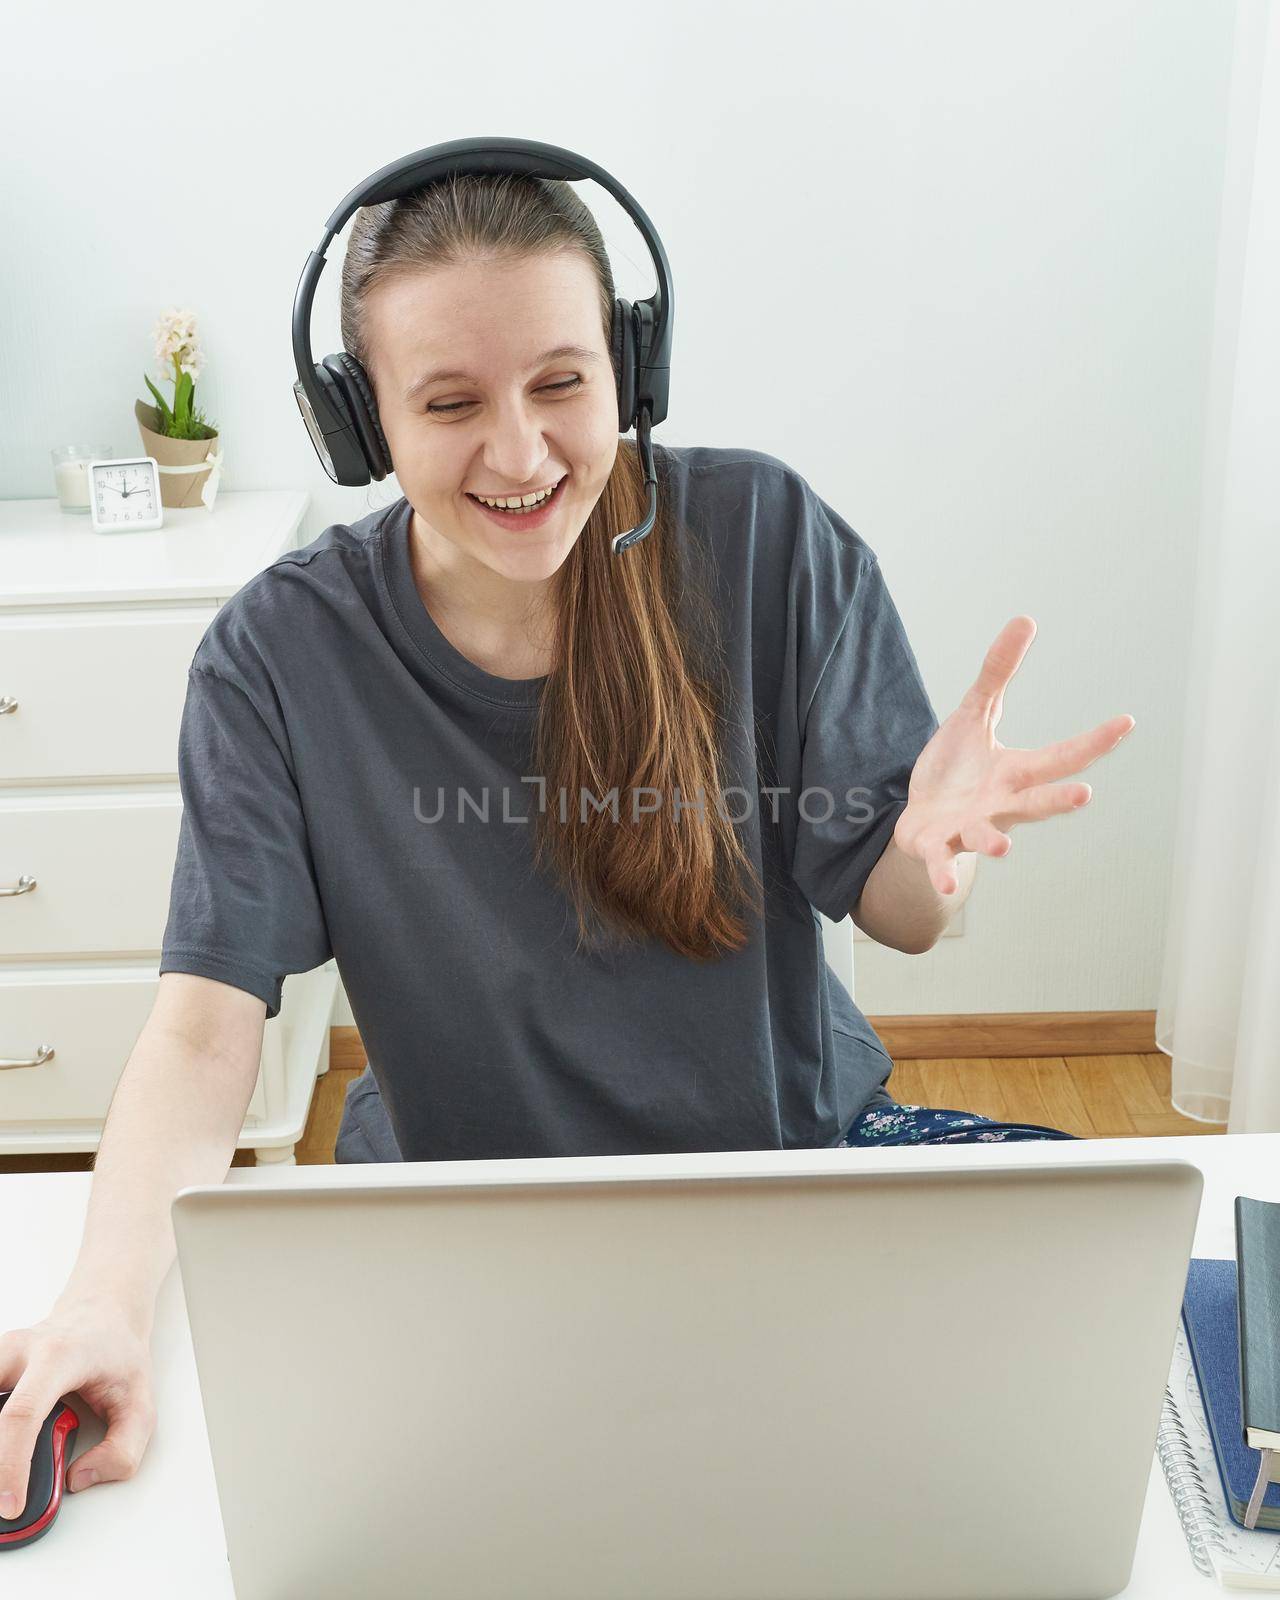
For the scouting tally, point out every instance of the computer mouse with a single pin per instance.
(49, 1458)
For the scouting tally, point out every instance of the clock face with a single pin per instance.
(124, 493)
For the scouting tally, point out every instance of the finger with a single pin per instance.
(983, 836)
(986, 694)
(1046, 800)
(980, 835)
(1069, 755)
(130, 1424)
(34, 1396)
(939, 860)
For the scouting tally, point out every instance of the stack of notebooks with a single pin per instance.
(1219, 1438)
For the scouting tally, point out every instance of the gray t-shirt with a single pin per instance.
(330, 730)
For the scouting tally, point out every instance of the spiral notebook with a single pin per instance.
(1237, 1557)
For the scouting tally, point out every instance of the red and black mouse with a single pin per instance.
(49, 1457)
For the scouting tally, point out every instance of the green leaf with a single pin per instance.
(182, 402)
(166, 416)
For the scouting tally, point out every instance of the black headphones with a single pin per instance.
(335, 396)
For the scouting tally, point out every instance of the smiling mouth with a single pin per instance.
(545, 498)
(533, 514)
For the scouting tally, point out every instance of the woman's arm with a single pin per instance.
(177, 1111)
(899, 906)
(174, 1120)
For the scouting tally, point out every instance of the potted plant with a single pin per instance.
(179, 436)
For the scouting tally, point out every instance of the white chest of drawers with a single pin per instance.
(96, 634)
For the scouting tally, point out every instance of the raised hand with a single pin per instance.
(967, 789)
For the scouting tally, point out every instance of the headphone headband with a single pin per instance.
(334, 397)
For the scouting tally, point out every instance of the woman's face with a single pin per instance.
(507, 422)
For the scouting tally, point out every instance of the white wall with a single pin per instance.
(953, 262)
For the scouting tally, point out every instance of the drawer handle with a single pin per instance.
(25, 884)
(7, 703)
(44, 1052)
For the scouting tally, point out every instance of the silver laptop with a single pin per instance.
(780, 1375)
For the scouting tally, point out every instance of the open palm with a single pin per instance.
(967, 789)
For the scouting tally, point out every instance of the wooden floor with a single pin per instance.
(1094, 1097)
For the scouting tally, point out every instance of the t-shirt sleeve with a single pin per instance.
(244, 906)
(868, 719)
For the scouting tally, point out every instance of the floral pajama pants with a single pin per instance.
(905, 1124)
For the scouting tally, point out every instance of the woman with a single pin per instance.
(564, 817)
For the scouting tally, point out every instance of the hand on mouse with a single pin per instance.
(90, 1346)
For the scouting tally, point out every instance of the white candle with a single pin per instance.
(73, 485)
(71, 472)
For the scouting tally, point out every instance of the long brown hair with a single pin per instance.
(635, 701)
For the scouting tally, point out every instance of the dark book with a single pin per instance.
(1258, 1292)
(1258, 1300)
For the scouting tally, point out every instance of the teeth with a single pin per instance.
(510, 502)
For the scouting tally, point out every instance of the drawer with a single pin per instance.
(103, 866)
(92, 1020)
(99, 693)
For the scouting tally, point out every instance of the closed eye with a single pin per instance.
(459, 405)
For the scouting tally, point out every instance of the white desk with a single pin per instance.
(160, 1532)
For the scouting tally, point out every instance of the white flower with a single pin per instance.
(175, 339)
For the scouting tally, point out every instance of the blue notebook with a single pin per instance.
(1210, 1317)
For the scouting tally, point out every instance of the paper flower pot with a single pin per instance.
(177, 489)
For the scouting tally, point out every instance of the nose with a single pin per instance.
(515, 449)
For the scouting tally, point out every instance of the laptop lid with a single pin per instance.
(819, 1374)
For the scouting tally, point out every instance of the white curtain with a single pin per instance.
(1218, 1016)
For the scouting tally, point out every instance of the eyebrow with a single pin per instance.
(574, 352)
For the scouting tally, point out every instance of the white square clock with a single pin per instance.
(124, 494)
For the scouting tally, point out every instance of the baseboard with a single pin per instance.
(954, 1036)
(961, 1035)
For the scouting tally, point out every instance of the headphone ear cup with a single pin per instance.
(356, 392)
(622, 352)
